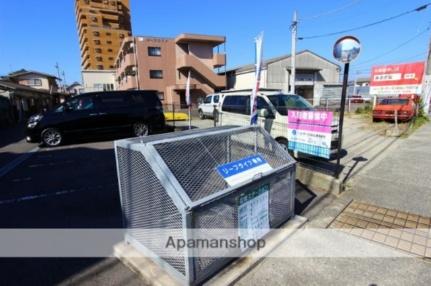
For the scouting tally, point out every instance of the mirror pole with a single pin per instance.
(341, 120)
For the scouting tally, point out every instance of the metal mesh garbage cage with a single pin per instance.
(190, 180)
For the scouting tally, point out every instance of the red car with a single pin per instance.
(386, 109)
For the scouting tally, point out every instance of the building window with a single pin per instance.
(97, 34)
(34, 82)
(99, 59)
(97, 42)
(161, 95)
(156, 74)
(108, 87)
(109, 42)
(100, 67)
(154, 51)
(98, 50)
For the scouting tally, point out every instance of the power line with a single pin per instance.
(395, 49)
(330, 12)
(418, 9)
(368, 67)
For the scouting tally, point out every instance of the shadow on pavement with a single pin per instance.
(303, 197)
(12, 134)
(322, 165)
(357, 160)
(62, 188)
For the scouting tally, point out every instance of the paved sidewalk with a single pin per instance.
(400, 179)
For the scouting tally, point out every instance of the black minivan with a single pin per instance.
(138, 112)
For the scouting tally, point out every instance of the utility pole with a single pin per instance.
(428, 70)
(294, 30)
(57, 67)
(135, 52)
(64, 80)
(426, 93)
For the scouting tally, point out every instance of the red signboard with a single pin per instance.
(397, 79)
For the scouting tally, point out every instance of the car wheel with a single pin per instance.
(51, 137)
(140, 129)
(283, 142)
(201, 114)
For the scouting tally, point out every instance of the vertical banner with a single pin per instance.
(188, 101)
(310, 132)
(253, 100)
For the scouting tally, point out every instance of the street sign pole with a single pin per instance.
(341, 121)
(346, 49)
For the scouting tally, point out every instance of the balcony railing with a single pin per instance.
(131, 83)
(219, 60)
(187, 61)
(127, 61)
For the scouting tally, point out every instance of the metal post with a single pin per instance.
(350, 104)
(173, 114)
(396, 122)
(294, 29)
(215, 115)
(190, 116)
(342, 107)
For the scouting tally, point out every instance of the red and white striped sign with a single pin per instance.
(397, 79)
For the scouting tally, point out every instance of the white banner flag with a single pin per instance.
(253, 101)
(188, 102)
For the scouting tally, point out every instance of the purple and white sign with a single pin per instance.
(310, 132)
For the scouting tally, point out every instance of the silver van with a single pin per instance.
(272, 107)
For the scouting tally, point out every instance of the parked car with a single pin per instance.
(134, 112)
(273, 108)
(209, 106)
(386, 109)
(356, 99)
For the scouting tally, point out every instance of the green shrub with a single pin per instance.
(368, 108)
(420, 119)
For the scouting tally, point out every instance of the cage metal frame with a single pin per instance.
(182, 201)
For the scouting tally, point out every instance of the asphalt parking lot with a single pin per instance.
(72, 186)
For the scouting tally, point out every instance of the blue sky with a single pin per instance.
(36, 36)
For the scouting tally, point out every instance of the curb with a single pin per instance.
(314, 179)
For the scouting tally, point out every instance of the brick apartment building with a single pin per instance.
(102, 26)
(163, 64)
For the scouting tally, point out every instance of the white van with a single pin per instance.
(272, 107)
(209, 106)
